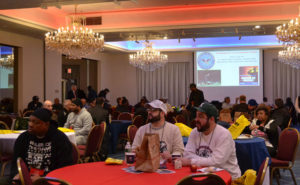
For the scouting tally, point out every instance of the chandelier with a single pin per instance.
(148, 59)
(75, 40)
(7, 62)
(289, 35)
(290, 55)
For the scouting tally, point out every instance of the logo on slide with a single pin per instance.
(206, 60)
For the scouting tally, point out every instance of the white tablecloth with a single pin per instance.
(7, 141)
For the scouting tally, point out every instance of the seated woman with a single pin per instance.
(267, 128)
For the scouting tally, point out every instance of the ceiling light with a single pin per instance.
(148, 59)
(257, 27)
(75, 40)
(165, 37)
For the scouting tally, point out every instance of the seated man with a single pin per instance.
(265, 127)
(42, 147)
(169, 134)
(281, 114)
(80, 120)
(98, 113)
(210, 144)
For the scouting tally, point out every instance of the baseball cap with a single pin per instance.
(252, 102)
(209, 110)
(42, 114)
(159, 105)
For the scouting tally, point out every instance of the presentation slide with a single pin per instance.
(228, 68)
(221, 73)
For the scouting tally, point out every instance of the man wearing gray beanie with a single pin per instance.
(80, 120)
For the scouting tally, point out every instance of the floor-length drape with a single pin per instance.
(286, 81)
(171, 81)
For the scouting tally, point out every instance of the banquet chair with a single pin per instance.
(193, 123)
(262, 172)
(138, 121)
(171, 117)
(103, 130)
(3, 126)
(4, 159)
(7, 119)
(125, 116)
(287, 149)
(131, 131)
(87, 152)
(28, 113)
(49, 180)
(289, 124)
(115, 115)
(202, 179)
(180, 119)
(75, 154)
(225, 116)
(23, 172)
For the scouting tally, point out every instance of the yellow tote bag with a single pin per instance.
(185, 130)
(237, 128)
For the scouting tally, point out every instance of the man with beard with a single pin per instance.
(80, 120)
(210, 144)
(169, 134)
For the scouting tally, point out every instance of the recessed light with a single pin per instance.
(257, 27)
(165, 37)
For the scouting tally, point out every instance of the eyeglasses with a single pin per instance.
(153, 110)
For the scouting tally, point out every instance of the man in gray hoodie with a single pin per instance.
(80, 120)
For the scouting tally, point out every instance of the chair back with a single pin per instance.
(125, 116)
(93, 141)
(48, 180)
(202, 179)
(3, 126)
(28, 113)
(290, 122)
(193, 123)
(75, 154)
(288, 144)
(115, 115)
(262, 172)
(171, 117)
(180, 119)
(131, 131)
(103, 129)
(23, 172)
(225, 116)
(138, 121)
(7, 119)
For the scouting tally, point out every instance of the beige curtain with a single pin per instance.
(172, 82)
(286, 81)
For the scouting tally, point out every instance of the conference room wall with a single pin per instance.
(30, 61)
(118, 76)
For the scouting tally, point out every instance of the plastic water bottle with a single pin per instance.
(109, 118)
(127, 150)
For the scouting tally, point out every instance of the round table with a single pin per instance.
(251, 153)
(7, 141)
(98, 173)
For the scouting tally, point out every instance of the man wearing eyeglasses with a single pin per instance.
(169, 135)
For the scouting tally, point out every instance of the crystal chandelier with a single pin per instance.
(75, 40)
(289, 35)
(148, 59)
(290, 55)
(7, 62)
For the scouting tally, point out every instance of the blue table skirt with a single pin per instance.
(251, 153)
(185, 140)
(116, 128)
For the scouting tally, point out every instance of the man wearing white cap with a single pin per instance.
(169, 134)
